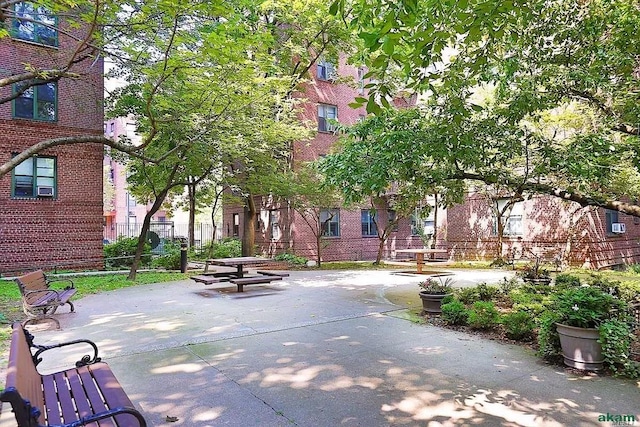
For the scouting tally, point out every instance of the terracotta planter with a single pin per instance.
(580, 347)
(431, 302)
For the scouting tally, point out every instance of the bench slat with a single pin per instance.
(52, 414)
(113, 392)
(272, 273)
(64, 398)
(79, 393)
(94, 396)
(254, 280)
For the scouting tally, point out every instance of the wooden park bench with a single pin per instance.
(74, 397)
(39, 299)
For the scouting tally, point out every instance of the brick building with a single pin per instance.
(51, 204)
(351, 234)
(545, 226)
(541, 226)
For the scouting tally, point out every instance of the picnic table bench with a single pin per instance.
(78, 396)
(39, 299)
(238, 277)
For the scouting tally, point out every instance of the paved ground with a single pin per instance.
(322, 349)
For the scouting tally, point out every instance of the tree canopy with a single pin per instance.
(541, 96)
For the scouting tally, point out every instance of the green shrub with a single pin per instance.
(454, 313)
(548, 339)
(291, 259)
(565, 280)
(468, 295)
(508, 285)
(121, 252)
(634, 268)
(518, 325)
(483, 315)
(616, 338)
(487, 292)
(229, 247)
(171, 258)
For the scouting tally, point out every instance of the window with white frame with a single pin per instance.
(368, 222)
(511, 218)
(35, 177)
(421, 224)
(236, 224)
(611, 218)
(330, 222)
(326, 113)
(276, 233)
(35, 24)
(326, 70)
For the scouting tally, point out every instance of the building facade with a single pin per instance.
(51, 204)
(349, 234)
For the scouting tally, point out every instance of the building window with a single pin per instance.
(611, 218)
(325, 114)
(330, 222)
(368, 225)
(511, 218)
(35, 177)
(421, 225)
(35, 24)
(361, 74)
(236, 224)
(392, 217)
(36, 102)
(326, 70)
(275, 225)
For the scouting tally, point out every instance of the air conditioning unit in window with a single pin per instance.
(45, 191)
(618, 227)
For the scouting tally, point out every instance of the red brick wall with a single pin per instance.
(549, 224)
(67, 230)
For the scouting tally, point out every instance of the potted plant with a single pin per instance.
(534, 273)
(578, 315)
(432, 291)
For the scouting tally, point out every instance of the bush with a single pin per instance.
(123, 247)
(291, 259)
(565, 280)
(171, 258)
(468, 295)
(228, 247)
(454, 313)
(548, 339)
(483, 315)
(518, 325)
(487, 292)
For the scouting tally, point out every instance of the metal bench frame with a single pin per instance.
(39, 300)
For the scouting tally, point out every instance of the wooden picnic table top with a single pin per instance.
(243, 260)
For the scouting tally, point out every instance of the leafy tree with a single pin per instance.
(304, 190)
(80, 28)
(536, 58)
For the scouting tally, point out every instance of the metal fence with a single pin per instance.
(162, 232)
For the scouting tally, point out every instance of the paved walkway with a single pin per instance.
(322, 349)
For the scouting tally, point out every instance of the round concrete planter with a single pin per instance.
(538, 280)
(431, 302)
(580, 347)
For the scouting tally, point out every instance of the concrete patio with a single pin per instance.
(332, 348)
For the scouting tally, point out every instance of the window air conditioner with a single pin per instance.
(45, 191)
(618, 227)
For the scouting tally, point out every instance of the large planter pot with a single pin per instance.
(431, 302)
(580, 347)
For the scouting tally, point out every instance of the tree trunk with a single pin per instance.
(319, 246)
(435, 222)
(142, 238)
(192, 212)
(249, 227)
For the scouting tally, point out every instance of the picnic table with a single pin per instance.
(420, 253)
(237, 277)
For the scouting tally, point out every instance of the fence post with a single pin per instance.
(183, 257)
